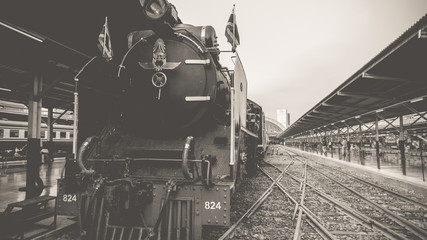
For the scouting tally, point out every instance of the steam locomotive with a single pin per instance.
(173, 142)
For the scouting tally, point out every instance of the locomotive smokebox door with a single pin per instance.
(216, 206)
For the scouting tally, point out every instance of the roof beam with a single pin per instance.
(50, 87)
(360, 95)
(12, 69)
(63, 90)
(308, 121)
(323, 112)
(414, 111)
(345, 106)
(318, 117)
(388, 123)
(309, 124)
(378, 77)
(364, 124)
(337, 105)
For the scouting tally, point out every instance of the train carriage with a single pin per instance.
(14, 134)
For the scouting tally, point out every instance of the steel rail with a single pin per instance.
(254, 206)
(420, 204)
(363, 219)
(297, 233)
(403, 222)
(318, 227)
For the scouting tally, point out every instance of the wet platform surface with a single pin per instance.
(13, 178)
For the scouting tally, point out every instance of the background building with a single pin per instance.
(283, 117)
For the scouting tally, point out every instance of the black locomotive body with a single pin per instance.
(179, 135)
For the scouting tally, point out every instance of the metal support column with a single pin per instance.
(49, 135)
(76, 116)
(421, 154)
(34, 184)
(361, 152)
(402, 146)
(340, 142)
(331, 140)
(422, 160)
(348, 144)
(377, 144)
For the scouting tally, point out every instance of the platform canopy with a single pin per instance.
(53, 40)
(392, 84)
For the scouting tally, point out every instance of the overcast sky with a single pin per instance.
(296, 52)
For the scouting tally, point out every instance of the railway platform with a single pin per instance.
(390, 171)
(14, 177)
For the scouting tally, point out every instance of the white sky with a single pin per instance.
(296, 52)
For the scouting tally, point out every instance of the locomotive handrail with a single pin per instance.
(249, 132)
(82, 150)
(191, 40)
(184, 164)
(126, 54)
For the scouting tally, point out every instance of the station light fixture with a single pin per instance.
(379, 110)
(5, 89)
(23, 32)
(416, 100)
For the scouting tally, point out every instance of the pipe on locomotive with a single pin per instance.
(184, 164)
(82, 151)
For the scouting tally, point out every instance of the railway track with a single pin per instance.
(320, 202)
(408, 212)
(380, 207)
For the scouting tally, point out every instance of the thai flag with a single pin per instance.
(104, 42)
(231, 31)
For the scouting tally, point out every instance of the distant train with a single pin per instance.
(161, 155)
(14, 134)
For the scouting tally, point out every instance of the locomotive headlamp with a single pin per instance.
(154, 9)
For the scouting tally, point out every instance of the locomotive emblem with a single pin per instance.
(159, 79)
(159, 58)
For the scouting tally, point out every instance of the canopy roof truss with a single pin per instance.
(392, 84)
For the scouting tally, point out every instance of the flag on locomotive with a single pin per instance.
(104, 42)
(231, 31)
